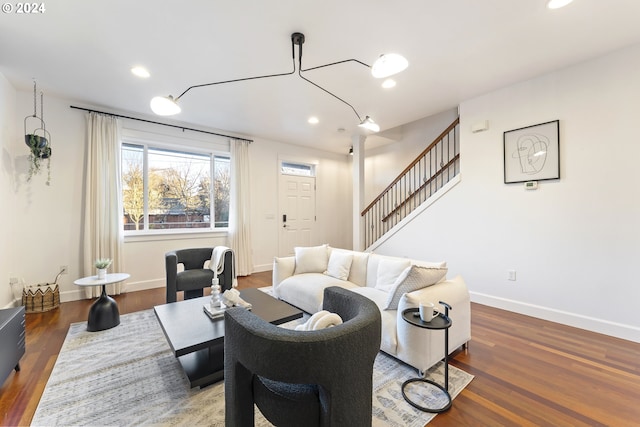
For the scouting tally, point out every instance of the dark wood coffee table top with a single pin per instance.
(188, 328)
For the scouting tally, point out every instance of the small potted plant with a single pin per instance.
(102, 264)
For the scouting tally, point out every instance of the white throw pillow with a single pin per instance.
(339, 264)
(311, 259)
(389, 269)
(415, 278)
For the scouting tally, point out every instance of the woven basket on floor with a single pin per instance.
(41, 297)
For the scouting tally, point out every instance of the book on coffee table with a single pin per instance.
(218, 312)
(214, 312)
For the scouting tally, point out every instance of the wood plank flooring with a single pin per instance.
(528, 372)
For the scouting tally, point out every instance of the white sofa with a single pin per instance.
(300, 280)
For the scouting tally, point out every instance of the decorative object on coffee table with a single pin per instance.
(104, 313)
(441, 321)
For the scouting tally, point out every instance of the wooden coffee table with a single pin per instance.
(198, 341)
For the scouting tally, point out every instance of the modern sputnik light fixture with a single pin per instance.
(385, 66)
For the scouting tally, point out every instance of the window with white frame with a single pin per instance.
(170, 189)
(301, 169)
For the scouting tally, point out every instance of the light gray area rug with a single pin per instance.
(128, 375)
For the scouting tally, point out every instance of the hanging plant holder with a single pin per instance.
(39, 140)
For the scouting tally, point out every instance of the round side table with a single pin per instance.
(441, 321)
(104, 313)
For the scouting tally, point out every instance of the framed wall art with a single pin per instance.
(532, 153)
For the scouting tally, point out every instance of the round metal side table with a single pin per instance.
(441, 321)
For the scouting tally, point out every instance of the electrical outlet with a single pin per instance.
(64, 269)
(511, 275)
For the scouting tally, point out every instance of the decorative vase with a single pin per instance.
(102, 273)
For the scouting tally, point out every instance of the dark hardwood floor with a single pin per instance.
(528, 372)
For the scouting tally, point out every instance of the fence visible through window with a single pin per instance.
(169, 189)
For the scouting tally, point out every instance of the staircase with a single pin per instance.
(428, 173)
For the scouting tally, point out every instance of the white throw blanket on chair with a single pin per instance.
(320, 320)
(217, 263)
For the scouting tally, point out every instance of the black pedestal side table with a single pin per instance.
(441, 321)
(104, 313)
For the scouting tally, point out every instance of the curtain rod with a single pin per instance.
(161, 124)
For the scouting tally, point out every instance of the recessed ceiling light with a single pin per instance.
(389, 83)
(140, 72)
(557, 4)
(313, 120)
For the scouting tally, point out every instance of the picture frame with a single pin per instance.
(532, 153)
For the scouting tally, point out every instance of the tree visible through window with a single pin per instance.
(169, 189)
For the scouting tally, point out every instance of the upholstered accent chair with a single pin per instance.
(195, 277)
(303, 378)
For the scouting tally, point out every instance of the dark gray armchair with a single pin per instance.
(195, 277)
(302, 378)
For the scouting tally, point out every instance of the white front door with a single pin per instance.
(297, 212)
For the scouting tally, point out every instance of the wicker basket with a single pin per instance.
(41, 297)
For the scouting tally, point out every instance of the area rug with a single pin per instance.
(128, 375)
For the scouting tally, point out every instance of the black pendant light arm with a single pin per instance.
(336, 63)
(299, 42)
(244, 79)
(335, 96)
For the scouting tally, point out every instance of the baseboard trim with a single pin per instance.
(601, 326)
(261, 268)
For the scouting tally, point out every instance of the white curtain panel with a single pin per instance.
(103, 227)
(239, 210)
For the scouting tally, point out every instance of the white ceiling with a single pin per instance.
(457, 49)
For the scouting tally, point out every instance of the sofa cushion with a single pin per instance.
(412, 279)
(358, 272)
(312, 259)
(389, 269)
(389, 337)
(306, 290)
(339, 264)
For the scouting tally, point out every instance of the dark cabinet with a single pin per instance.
(12, 337)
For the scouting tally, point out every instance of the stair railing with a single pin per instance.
(431, 170)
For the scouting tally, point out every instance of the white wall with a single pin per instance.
(42, 231)
(7, 185)
(47, 225)
(575, 242)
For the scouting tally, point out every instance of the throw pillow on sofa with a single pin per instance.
(339, 264)
(389, 270)
(312, 259)
(412, 279)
